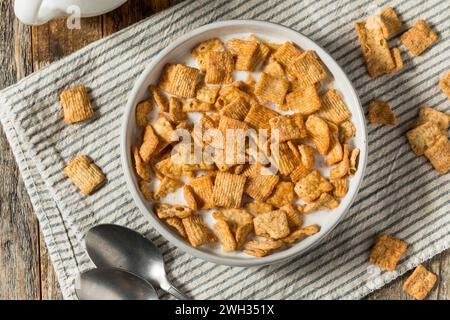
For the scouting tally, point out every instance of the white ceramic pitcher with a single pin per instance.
(35, 12)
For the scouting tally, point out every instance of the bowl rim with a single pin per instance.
(155, 222)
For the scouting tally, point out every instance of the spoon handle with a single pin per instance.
(177, 293)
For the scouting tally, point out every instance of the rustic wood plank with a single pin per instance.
(131, 12)
(19, 248)
(54, 40)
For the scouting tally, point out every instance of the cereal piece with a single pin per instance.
(342, 168)
(420, 283)
(159, 98)
(319, 132)
(444, 83)
(272, 224)
(419, 37)
(273, 46)
(375, 48)
(236, 109)
(271, 89)
(149, 144)
(282, 195)
(305, 101)
(258, 117)
(226, 237)
(252, 170)
(307, 155)
(274, 69)
(307, 69)
(439, 154)
(167, 185)
(301, 234)
(204, 124)
(230, 93)
(165, 210)
(143, 110)
(266, 245)
(163, 129)
(244, 51)
(249, 86)
(242, 233)
(189, 197)
(397, 56)
(334, 108)
(336, 152)
(207, 94)
(200, 51)
(178, 225)
(228, 190)
(145, 187)
(426, 114)
(299, 172)
(422, 137)
(380, 112)
(176, 113)
(256, 253)
(387, 251)
(261, 53)
(354, 157)
(219, 67)
(312, 186)
(85, 174)
(390, 23)
(290, 127)
(170, 169)
(197, 232)
(76, 105)
(179, 80)
(286, 53)
(293, 216)
(260, 187)
(203, 190)
(340, 187)
(258, 207)
(194, 105)
(234, 217)
(325, 200)
(142, 169)
(346, 131)
(232, 131)
(283, 158)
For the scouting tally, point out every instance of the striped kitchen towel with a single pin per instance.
(401, 194)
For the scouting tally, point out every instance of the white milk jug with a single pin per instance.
(35, 12)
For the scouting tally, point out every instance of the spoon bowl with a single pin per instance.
(113, 284)
(113, 246)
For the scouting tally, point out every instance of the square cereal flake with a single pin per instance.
(387, 251)
(179, 80)
(271, 89)
(76, 105)
(228, 190)
(419, 37)
(420, 283)
(85, 174)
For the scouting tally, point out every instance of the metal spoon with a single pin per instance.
(113, 284)
(114, 246)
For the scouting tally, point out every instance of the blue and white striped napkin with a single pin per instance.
(402, 194)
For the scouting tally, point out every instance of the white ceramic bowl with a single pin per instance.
(179, 51)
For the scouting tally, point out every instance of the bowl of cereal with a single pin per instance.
(243, 143)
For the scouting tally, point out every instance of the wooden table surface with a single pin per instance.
(25, 268)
